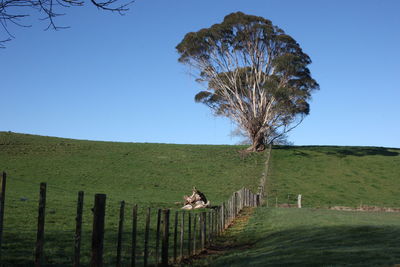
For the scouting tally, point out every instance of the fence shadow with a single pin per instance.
(19, 248)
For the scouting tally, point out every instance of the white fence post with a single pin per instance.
(299, 201)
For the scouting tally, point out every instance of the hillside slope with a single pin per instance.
(315, 236)
(329, 176)
(150, 175)
(134, 172)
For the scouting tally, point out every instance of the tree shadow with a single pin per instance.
(297, 150)
(341, 151)
(363, 151)
(321, 246)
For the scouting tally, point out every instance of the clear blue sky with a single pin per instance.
(117, 78)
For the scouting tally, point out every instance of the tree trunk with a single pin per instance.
(258, 142)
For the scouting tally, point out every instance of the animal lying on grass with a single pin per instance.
(196, 201)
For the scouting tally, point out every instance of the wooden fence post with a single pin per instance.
(242, 198)
(209, 227)
(222, 217)
(39, 259)
(199, 231)
(189, 234)
(215, 222)
(182, 235)
(176, 237)
(249, 195)
(146, 238)
(165, 240)
(203, 232)
(236, 204)
(120, 232)
(134, 231)
(78, 230)
(227, 215)
(194, 233)
(98, 230)
(158, 237)
(229, 209)
(2, 200)
(245, 197)
(232, 209)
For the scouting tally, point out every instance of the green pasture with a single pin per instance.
(331, 176)
(158, 175)
(310, 237)
(149, 175)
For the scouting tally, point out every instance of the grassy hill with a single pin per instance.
(327, 175)
(312, 236)
(157, 175)
(150, 175)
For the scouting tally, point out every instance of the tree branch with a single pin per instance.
(14, 11)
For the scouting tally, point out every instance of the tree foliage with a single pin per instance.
(254, 73)
(15, 11)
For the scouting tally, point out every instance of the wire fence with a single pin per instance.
(88, 228)
(140, 236)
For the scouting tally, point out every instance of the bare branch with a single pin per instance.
(14, 11)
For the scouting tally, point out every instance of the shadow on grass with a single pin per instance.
(18, 248)
(342, 151)
(363, 151)
(304, 246)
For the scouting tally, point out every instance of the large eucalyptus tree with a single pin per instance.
(254, 73)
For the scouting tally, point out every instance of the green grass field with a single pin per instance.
(310, 237)
(329, 176)
(157, 175)
(150, 175)
(325, 176)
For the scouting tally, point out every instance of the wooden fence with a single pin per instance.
(179, 234)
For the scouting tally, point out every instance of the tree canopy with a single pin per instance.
(255, 74)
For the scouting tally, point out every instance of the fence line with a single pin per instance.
(263, 180)
(192, 231)
(2, 200)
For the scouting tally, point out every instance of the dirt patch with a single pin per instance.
(227, 241)
(287, 205)
(365, 208)
(344, 208)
